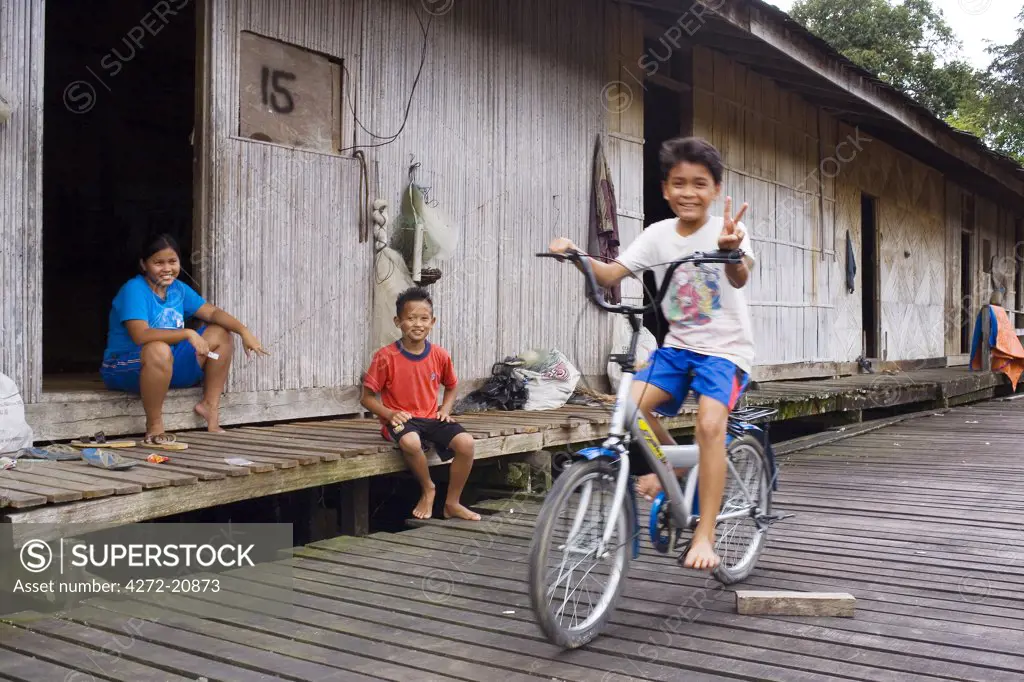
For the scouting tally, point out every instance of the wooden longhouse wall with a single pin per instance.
(21, 266)
(983, 220)
(803, 172)
(772, 143)
(911, 232)
(623, 100)
(503, 123)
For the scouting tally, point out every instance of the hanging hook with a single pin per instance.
(413, 165)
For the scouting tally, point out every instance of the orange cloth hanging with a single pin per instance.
(1007, 351)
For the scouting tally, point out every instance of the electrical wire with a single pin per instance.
(408, 106)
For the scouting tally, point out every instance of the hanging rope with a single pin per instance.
(380, 238)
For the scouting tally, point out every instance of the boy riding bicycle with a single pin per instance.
(709, 347)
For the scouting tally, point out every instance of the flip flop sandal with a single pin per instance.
(166, 441)
(100, 438)
(107, 459)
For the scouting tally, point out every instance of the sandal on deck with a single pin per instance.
(100, 438)
(106, 459)
(166, 441)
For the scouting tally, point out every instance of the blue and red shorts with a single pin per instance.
(122, 371)
(676, 371)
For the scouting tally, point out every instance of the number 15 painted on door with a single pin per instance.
(280, 99)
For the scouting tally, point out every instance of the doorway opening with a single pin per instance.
(1018, 273)
(966, 274)
(667, 114)
(965, 292)
(119, 115)
(869, 276)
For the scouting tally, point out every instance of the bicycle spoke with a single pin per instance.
(578, 587)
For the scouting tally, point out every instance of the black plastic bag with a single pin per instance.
(505, 390)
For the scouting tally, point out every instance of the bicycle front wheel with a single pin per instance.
(574, 581)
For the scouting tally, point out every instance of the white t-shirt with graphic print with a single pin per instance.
(706, 314)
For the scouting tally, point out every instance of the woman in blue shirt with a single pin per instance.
(149, 350)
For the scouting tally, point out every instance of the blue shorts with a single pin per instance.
(122, 371)
(676, 371)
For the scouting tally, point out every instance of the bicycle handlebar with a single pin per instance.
(594, 289)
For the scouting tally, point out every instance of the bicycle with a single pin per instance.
(747, 498)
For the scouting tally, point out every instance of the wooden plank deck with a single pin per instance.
(292, 456)
(920, 521)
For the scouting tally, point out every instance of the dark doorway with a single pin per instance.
(117, 162)
(664, 119)
(869, 275)
(966, 271)
(966, 292)
(1018, 273)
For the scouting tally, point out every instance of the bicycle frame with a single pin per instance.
(662, 459)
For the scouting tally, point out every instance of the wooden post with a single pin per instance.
(314, 517)
(354, 507)
(986, 331)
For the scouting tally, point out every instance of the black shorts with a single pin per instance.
(433, 432)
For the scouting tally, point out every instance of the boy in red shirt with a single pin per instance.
(407, 374)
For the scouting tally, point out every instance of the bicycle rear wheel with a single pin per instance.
(573, 585)
(748, 494)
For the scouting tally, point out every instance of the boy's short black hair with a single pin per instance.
(692, 150)
(412, 294)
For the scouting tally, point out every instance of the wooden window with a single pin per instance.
(289, 95)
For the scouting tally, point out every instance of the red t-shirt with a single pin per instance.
(410, 382)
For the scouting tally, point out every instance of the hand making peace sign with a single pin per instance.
(732, 235)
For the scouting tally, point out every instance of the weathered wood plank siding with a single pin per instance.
(773, 144)
(803, 173)
(911, 227)
(281, 245)
(21, 229)
(502, 123)
(953, 318)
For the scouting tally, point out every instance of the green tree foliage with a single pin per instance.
(907, 44)
(998, 107)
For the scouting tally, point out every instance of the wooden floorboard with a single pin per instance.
(921, 538)
(292, 456)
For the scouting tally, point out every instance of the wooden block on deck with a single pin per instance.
(774, 603)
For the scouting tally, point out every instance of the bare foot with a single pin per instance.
(460, 512)
(425, 508)
(701, 555)
(649, 486)
(204, 411)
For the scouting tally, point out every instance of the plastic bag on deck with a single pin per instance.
(551, 378)
(15, 433)
(645, 345)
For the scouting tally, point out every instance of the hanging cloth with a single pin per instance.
(851, 264)
(604, 223)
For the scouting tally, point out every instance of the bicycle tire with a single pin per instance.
(543, 541)
(724, 573)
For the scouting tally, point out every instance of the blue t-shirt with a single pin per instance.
(136, 301)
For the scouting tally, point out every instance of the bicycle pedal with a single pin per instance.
(684, 550)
